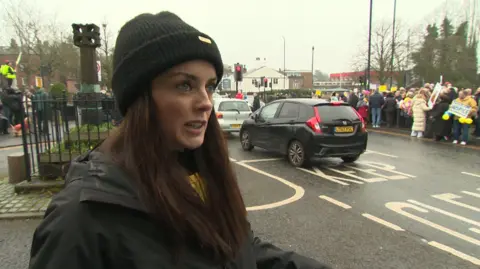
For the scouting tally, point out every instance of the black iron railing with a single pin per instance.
(56, 130)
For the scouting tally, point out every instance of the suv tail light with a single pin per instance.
(314, 122)
(364, 126)
(219, 115)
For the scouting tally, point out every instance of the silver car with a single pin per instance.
(231, 113)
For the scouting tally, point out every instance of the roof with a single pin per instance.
(305, 101)
(7, 50)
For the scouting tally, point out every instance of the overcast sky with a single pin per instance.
(246, 29)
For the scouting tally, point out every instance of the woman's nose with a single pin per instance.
(204, 102)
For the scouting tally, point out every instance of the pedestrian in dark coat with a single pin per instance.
(441, 128)
(390, 107)
(160, 191)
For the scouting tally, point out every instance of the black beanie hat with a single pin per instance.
(150, 44)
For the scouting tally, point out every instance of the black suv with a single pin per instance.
(304, 129)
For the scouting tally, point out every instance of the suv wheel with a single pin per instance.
(350, 159)
(296, 154)
(245, 140)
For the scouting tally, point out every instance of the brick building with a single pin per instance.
(25, 80)
(299, 79)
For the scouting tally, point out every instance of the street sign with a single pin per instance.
(99, 70)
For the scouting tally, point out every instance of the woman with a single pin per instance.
(461, 129)
(419, 109)
(477, 118)
(441, 128)
(160, 192)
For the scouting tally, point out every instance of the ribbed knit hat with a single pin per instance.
(150, 44)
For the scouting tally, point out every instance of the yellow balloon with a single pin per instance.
(468, 121)
(461, 120)
(445, 117)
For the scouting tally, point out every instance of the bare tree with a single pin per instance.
(381, 52)
(105, 54)
(44, 45)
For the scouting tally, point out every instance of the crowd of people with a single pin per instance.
(421, 109)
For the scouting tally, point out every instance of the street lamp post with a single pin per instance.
(369, 46)
(393, 42)
(284, 70)
(313, 54)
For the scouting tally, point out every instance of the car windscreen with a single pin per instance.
(233, 106)
(335, 112)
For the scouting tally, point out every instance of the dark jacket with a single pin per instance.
(441, 127)
(353, 100)
(390, 104)
(12, 99)
(97, 222)
(376, 100)
(256, 103)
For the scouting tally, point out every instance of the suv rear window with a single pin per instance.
(233, 106)
(331, 113)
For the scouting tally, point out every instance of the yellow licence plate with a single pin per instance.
(344, 129)
(236, 126)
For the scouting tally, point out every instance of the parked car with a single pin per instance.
(303, 129)
(231, 113)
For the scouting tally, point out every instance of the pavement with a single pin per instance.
(407, 203)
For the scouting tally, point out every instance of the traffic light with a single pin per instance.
(265, 82)
(238, 72)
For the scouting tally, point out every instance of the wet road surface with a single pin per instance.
(405, 204)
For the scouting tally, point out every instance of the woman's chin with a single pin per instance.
(193, 143)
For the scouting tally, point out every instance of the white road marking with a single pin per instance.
(470, 174)
(455, 252)
(352, 174)
(261, 160)
(476, 223)
(379, 153)
(299, 191)
(315, 174)
(380, 177)
(449, 198)
(475, 230)
(399, 206)
(335, 202)
(474, 194)
(232, 159)
(384, 167)
(383, 222)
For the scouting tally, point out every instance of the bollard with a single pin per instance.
(17, 169)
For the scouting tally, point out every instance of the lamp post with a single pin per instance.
(369, 46)
(284, 70)
(313, 58)
(393, 42)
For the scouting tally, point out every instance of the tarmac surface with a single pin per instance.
(406, 203)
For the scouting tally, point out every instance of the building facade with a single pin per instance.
(299, 79)
(251, 80)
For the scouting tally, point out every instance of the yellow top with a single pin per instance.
(197, 184)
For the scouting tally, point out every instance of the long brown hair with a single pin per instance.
(220, 222)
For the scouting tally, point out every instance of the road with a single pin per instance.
(405, 204)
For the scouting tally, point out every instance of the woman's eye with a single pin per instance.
(184, 86)
(211, 88)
